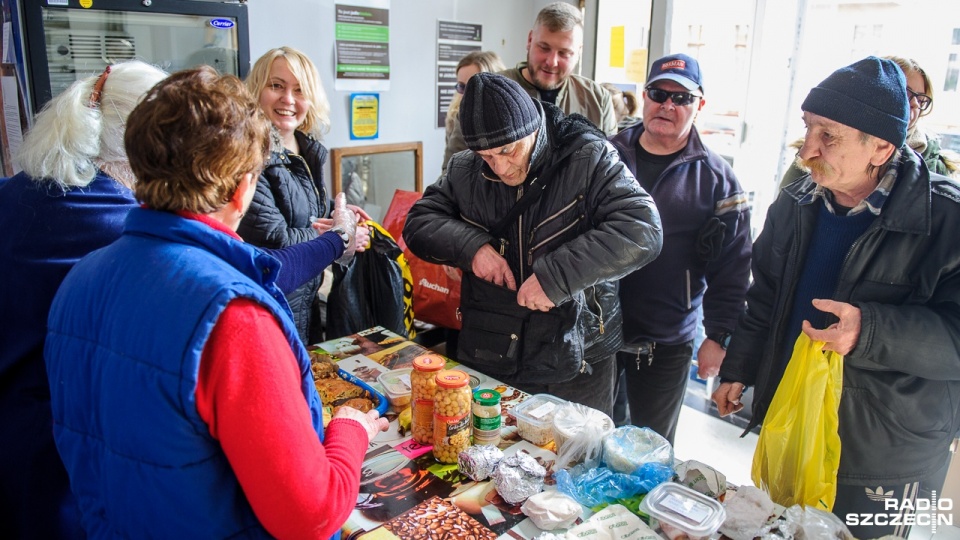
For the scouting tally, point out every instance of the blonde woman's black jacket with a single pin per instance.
(901, 382)
(593, 224)
(289, 192)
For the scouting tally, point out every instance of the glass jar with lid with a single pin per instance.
(486, 417)
(423, 387)
(451, 415)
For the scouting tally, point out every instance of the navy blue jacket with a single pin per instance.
(125, 336)
(660, 300)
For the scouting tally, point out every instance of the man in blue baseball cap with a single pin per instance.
(861, 255)
(706, 250)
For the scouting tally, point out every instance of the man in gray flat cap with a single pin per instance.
(541, 209)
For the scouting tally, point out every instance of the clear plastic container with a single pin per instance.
(397, 387)
(678, 507)
(534, 417)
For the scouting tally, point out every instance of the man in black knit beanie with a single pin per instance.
(582, 223)
(861, 256)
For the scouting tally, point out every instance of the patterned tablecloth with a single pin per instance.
(404, 492)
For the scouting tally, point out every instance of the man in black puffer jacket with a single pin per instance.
(591, 225)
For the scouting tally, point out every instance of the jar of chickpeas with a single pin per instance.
(423, 386)
(451, 415)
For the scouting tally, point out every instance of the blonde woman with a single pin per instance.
(468, 66)
(291, 192)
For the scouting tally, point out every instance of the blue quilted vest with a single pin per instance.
(126, 332)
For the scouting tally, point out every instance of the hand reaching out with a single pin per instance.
(370, 420)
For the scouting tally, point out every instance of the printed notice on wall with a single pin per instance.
(363, 45)
(364, 116)
(454, 41)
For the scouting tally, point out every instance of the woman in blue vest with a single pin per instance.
(182, 397)
(72, 198)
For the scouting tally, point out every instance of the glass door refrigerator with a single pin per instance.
(66, 40)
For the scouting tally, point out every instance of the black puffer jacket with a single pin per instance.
(593, 224)
(900, 406)
(289, 193)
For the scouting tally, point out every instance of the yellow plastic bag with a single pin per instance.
(798, 452)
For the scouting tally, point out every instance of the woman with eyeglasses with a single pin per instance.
(920, 93)
(468, 66)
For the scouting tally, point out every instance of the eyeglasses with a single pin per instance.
(461, 87)
(679, 99)
(923, 100)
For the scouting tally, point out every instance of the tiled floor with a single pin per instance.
(716, 443)
(706, 438)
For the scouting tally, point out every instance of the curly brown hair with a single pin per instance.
(192, 138)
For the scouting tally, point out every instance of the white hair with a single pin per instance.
(70, 139)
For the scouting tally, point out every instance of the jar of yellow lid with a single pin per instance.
(451, 415)
(423, 386)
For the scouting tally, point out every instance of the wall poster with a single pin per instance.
(362, 30)
(454, 41)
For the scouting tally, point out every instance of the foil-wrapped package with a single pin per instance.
(518, 477)
(479, 462)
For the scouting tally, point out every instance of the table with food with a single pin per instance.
(467, 456)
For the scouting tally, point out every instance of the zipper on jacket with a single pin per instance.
(548, 239)
(599, 309)
(520, 237)
(688, 289)
(556, 214)
(313, 183)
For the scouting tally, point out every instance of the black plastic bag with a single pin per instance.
(374, 289)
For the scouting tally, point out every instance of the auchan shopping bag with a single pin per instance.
(436, 287)
(798, 452)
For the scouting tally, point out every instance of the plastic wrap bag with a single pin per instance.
(371, 290)
(578, 431)
(628, 447)
(600, 485)
(807, 523)
(551, 510)
(798, 451)
(747, 512)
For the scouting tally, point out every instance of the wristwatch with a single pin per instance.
(343, 235)
(723, 338)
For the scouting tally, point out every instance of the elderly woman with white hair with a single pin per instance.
(71, 198)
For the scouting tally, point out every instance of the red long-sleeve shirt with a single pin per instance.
(249, 395)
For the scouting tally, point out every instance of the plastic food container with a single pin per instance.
(396, 386)
(680, 509)
(534, 417)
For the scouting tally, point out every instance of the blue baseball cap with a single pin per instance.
(679, 68)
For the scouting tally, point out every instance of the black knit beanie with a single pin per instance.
(869, 95)
(495, 112)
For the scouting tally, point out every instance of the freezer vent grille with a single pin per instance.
(109, 49)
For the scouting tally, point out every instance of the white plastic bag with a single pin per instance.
(578, 431)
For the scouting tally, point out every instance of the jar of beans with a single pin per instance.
(451, 415)
(423, 386)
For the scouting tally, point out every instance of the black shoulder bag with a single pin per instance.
(504, 339)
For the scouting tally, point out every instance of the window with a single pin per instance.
(953, 72)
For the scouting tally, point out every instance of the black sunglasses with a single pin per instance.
(923, 100)
(461, 87)
(679, 98)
